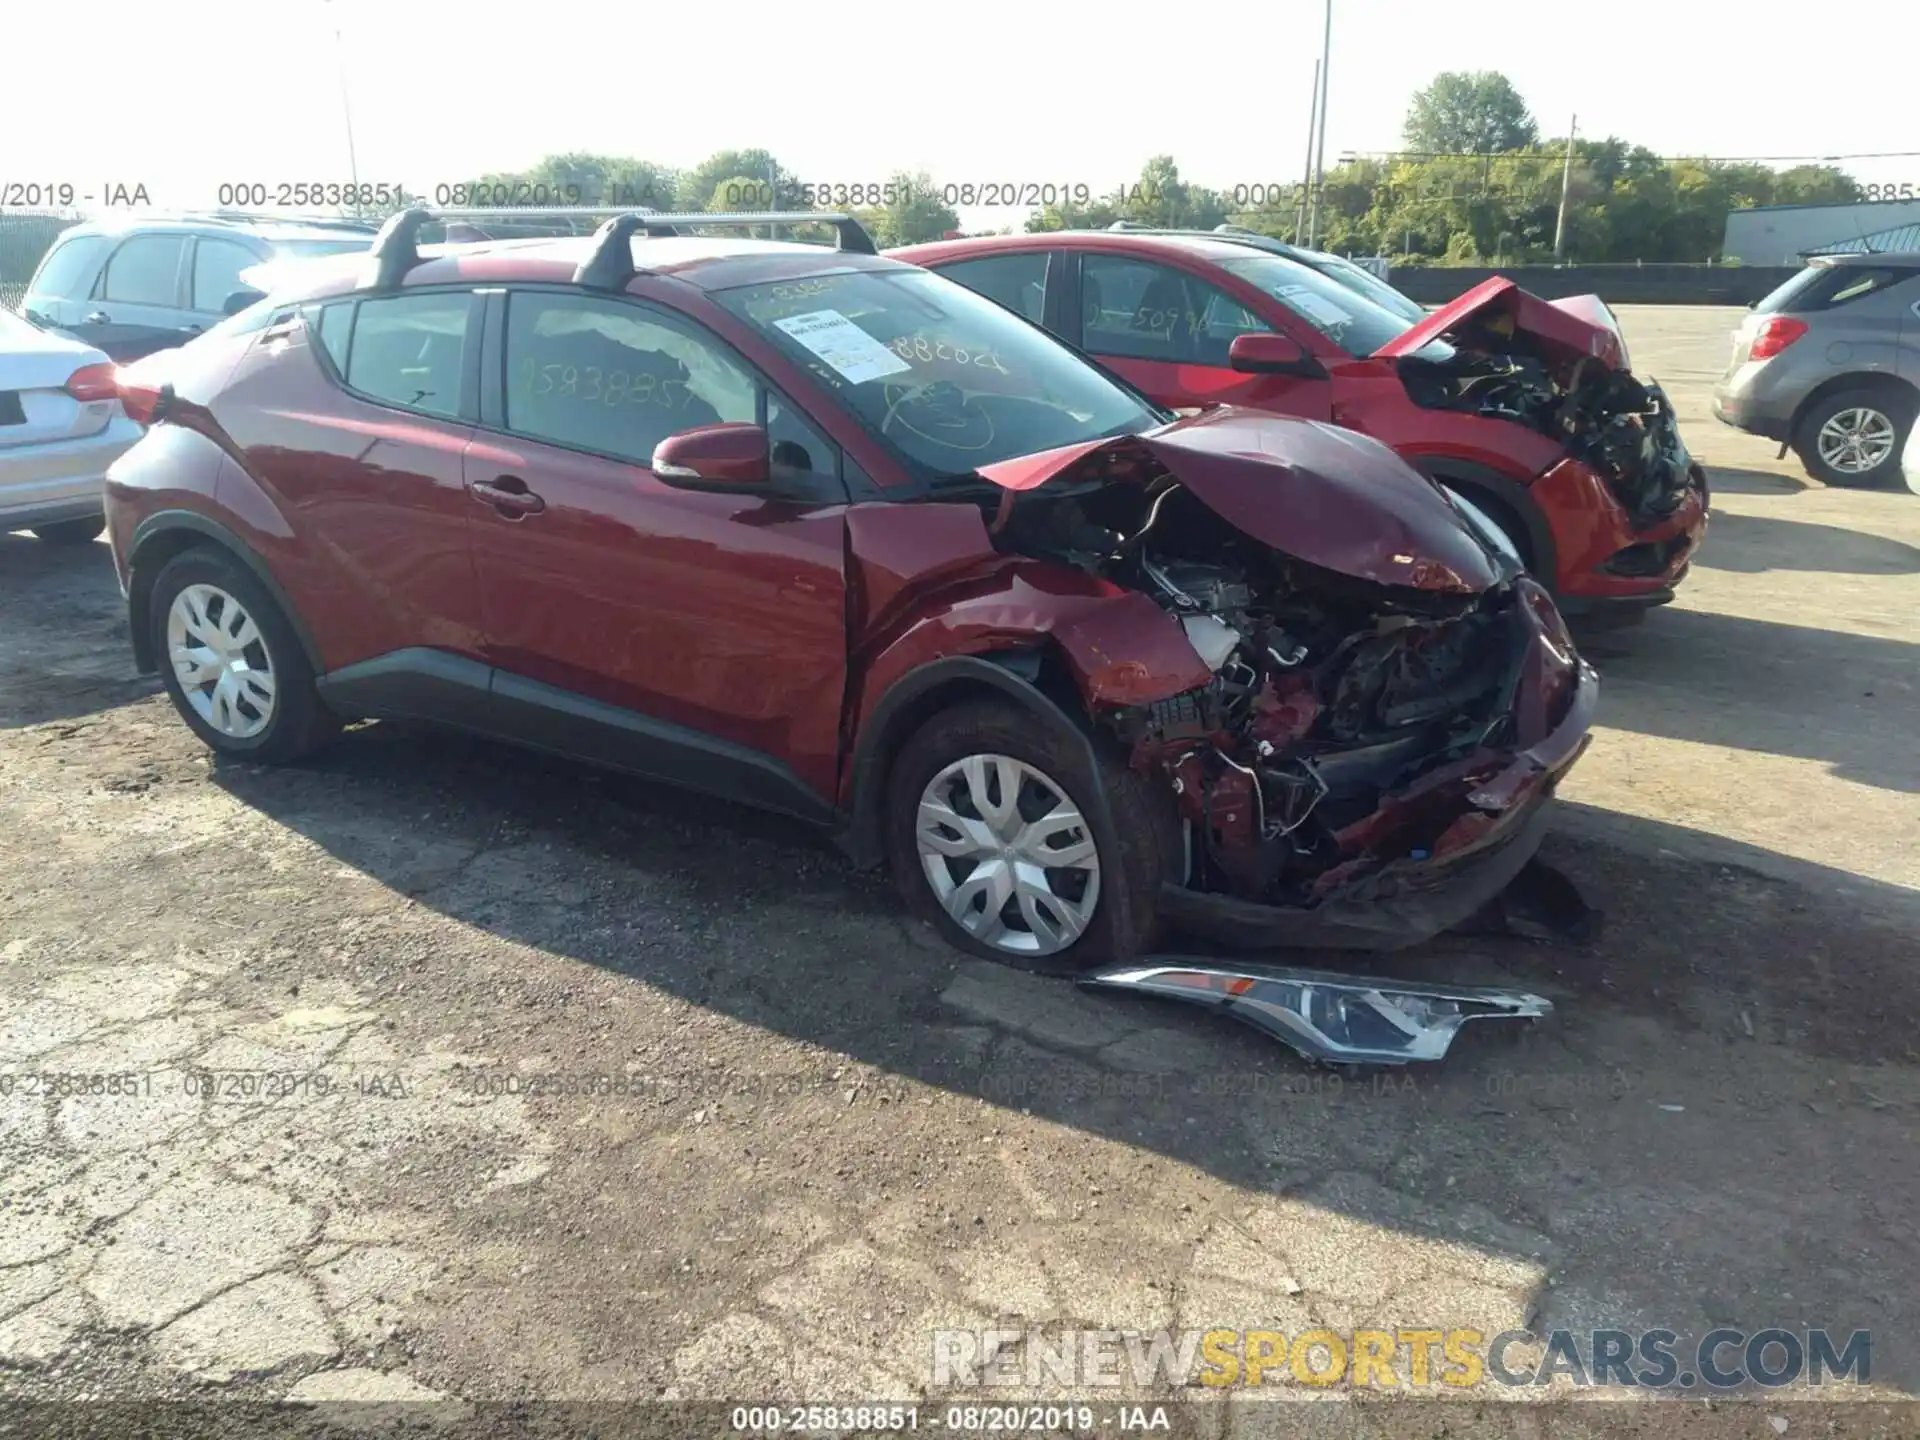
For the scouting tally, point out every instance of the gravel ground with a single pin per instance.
(821, 1134)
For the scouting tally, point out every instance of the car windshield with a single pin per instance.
(1364, 282)
(1345, 316)
(948, 379)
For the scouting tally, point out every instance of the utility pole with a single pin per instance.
(346, 106)
(1306, 173)
(1566, 180)
(1320, 149)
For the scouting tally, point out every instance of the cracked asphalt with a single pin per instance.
(268, 1124)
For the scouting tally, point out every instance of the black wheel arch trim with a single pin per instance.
(884, 733)
(139, 595)
(1511, 494)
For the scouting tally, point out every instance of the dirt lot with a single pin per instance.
(835, 1135)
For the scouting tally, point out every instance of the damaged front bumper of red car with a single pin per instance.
(1370, 709)
(1395, 893)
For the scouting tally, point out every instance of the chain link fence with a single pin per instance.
(26, 236)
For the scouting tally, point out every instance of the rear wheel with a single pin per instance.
(71, 532)
(231, 662)
(992, 841)
(1853, 438)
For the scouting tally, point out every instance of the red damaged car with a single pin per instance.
(825, 533)
(1524, 407)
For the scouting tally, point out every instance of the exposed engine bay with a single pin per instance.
(1621, 429)
(1303, 764)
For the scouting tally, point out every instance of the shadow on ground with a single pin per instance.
(64, 651)
(1734, 480)
(1697, 1134)
(1845, 700)
(1756, 544)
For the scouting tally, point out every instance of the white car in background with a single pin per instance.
(1910, 460)
(61, 425)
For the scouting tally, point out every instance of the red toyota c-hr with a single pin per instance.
(825, 533)
(1524, 407)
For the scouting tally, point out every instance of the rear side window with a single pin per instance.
(1018, 282)
(409, 350)
(145, 270)
(618, 379)
(335, 325)
(67, 272)
(1827, 287)
(216, 273)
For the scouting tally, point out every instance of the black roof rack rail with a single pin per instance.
(396, 249)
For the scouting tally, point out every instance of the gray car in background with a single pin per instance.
(129, 287)
(1829, 364)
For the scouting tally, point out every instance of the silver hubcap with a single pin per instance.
(221, 661)
(1856, 440)
(1008, 854)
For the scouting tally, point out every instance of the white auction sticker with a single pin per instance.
(843, 345)
(1314, 307)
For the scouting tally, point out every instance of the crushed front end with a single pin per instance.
(1619, 428)
(1365, 770)
(1368, 764)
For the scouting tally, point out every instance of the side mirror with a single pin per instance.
(1266, 353)
(240, 299)
(713, 457)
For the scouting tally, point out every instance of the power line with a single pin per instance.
(1348, 156)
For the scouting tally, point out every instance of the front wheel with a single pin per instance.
(231, 662)
(992, 840)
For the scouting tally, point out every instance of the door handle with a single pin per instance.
(98, 317)
(189, 329)
(508, 495)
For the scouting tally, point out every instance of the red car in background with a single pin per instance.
(824, 533)
(1522, 406)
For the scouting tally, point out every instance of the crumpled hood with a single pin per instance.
(1500, 305)
(1331, 497)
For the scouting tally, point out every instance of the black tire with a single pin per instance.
(299, 723)
(1132, 861)
(1898, 410)
(71, 532)
(1506, 521)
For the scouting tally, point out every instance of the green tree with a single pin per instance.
(772, 180)
(581, 178)
(1462, 112)
(1097, 214)
(913, 213)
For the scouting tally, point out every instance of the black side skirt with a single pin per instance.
(446, 689)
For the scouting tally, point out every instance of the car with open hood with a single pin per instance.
(1525, 407)
(824, 533)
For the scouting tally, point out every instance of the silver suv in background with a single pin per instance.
(129, 287)
(1829, 364)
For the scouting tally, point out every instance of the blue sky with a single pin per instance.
(187, 95)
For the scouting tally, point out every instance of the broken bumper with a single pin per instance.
(1405, 902)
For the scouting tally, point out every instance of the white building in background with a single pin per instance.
(1782, 234)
